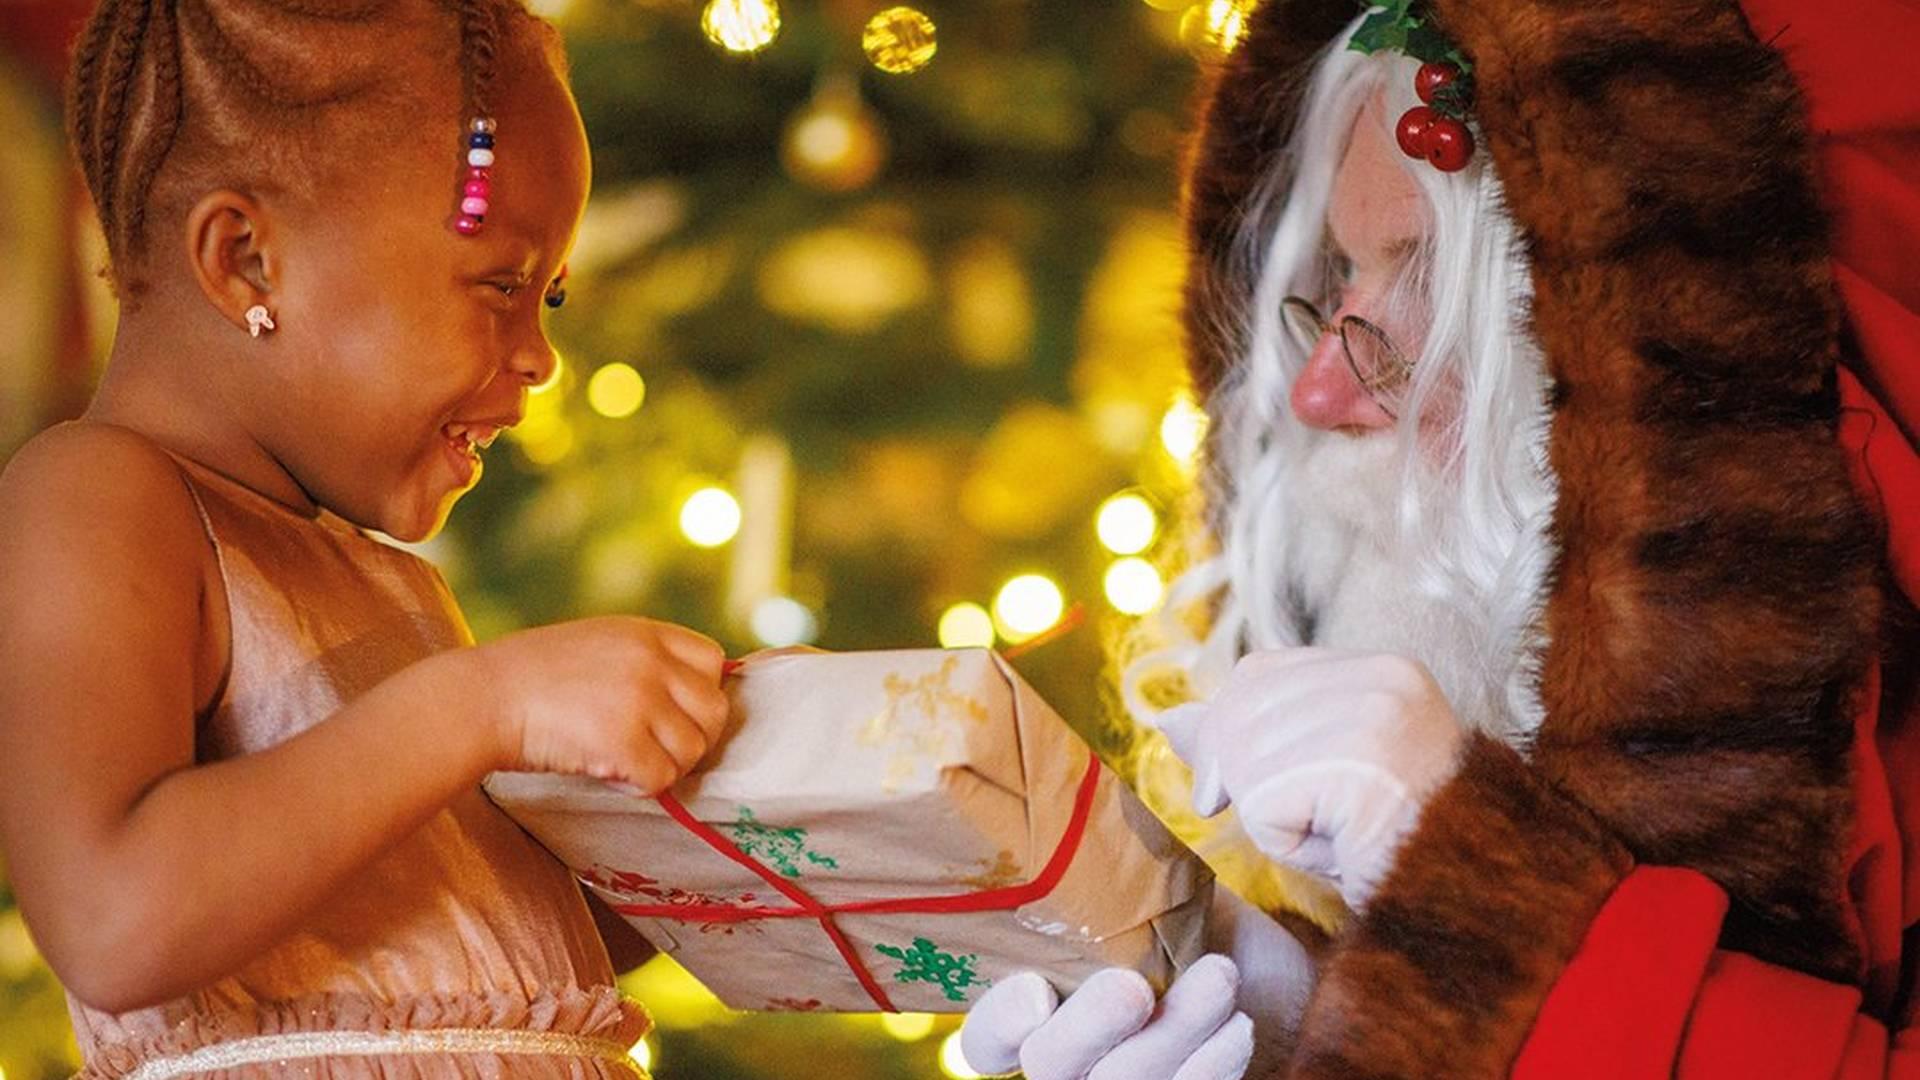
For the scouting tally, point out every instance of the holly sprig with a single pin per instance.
(1403, 26)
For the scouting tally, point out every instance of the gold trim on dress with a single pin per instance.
(261, 1049)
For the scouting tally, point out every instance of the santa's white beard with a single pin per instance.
(1355, 580)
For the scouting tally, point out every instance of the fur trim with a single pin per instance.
(1713, 607)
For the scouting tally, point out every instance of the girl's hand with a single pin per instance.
(627, 700)
(1327, 756)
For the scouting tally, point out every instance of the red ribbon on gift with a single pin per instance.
(806, 907)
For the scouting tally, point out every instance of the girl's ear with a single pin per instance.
(230, 246)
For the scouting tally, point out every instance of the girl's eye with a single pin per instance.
(508, 288)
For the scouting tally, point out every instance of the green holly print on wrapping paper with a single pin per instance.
(782, 849)
(926, 963)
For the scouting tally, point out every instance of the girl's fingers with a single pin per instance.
(696, 650)
(683, 741)
(700, 700)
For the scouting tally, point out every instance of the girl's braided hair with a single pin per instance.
(169, 98)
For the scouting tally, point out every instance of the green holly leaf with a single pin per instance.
(1385, 28)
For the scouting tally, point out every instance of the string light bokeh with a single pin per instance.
(870, 343)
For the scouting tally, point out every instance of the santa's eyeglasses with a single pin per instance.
(1383, 370)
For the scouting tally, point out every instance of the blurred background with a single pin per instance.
(870, 342)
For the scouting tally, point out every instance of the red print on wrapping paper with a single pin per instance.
(633, 886)
(787, 1004)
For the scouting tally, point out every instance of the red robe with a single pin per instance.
(1649, 993)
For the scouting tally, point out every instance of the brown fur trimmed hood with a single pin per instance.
(1715, 601)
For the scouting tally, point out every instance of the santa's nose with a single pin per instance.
(1328, 395)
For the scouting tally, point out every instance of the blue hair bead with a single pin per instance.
(480, 140)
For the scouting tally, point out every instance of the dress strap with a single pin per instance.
(308, 1045)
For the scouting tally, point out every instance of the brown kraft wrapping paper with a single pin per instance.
(882, 779)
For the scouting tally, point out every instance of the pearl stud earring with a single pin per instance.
(258, 319)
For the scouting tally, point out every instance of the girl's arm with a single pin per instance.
(142, 875)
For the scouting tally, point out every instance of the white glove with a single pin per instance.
(1110, 1028)
(1327, 755)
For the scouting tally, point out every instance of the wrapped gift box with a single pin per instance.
(887, 830)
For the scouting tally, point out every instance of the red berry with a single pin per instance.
(1449, 144)
(1411, 131)
(1432, 77)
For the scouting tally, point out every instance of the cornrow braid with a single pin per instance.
(86, 60)
(169, 98)
(236, 90)
(479, 45)
(123, 54)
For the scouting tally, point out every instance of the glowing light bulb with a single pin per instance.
(966, 626)
(835, 142)
(1214, 26)
(710, 517)
(1028, 605)
(741, 26)
(616, 391)
(907, 1027)
(779, 621)
(1126, 524)
(952, 1062)
(899, 40)
(1183, 430)
(1133, 586)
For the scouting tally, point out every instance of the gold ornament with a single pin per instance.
(741, 26)
(899, 40)
(835, 142)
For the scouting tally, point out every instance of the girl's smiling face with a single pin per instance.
(403, 344)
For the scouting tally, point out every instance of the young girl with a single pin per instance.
(241, 740)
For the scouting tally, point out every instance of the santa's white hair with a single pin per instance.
(1458, 541)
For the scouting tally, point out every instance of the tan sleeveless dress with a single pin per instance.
(467, 951)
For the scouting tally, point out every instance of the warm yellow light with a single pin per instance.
(642, 1055)
(616, 391)
(1183, 430)
(966, 626)
(899, 40)
(710, 517)
(952, 1062)
(544, 437)
(553, 380)
(907, 1027)
(741, 26)
(1214, 25)
(1126, 524)
(1028, 605)
(1133, 586)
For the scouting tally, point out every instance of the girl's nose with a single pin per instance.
(1328, 395)
(534, 364)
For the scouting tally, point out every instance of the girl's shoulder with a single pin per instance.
(102, 551)
(84, 477)
(88, 502)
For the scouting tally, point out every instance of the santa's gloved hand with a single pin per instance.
(1243, 1001)
(1111, 1029)
(1326, 755)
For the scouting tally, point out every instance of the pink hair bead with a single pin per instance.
(476, 207)
(466, 225)
(478, 189)
(481, 173)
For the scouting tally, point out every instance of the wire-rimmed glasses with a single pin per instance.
(1383, 370)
